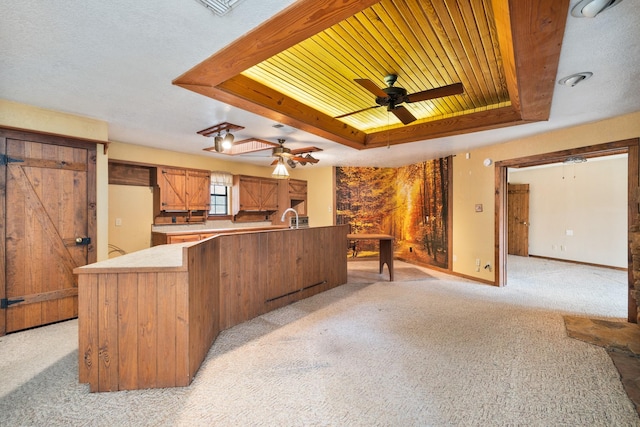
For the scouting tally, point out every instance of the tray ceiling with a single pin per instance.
(299, 67)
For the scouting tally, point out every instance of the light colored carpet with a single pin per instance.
(368, 273)
(435, 352)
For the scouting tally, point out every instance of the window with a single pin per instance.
(220, 184)
(219, 200)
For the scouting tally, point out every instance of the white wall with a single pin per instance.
(578, 211)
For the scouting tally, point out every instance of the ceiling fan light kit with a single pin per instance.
(280, 172)
(591, 8)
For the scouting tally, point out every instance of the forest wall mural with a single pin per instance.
(410, 203)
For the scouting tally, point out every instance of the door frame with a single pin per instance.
(631, 147)
(92, 226)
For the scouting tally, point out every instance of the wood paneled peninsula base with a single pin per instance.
(147, 319)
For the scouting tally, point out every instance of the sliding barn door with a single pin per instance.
(49, 229)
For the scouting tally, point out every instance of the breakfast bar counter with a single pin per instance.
(147, 319)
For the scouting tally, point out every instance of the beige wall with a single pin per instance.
(320, 193)
(130, 218)
(473, 183)
(26, 117)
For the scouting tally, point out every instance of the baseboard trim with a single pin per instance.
(447, 271)
(579, 262)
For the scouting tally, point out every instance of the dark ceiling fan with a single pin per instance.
(392, 96)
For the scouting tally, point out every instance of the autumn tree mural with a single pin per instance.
(410, 203)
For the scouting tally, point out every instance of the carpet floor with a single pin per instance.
(430, 351)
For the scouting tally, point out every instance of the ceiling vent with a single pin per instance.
(219, 7)
(591, 8)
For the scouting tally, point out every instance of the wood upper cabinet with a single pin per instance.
(297, 189)
(298, 195)
(182, 190)
(292, 193)
(254, 194)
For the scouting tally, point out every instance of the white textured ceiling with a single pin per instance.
(115, 61)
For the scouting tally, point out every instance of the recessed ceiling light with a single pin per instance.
(574, 79)
(590, 8)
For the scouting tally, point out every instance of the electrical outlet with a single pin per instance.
(478, 261)
(118, 222)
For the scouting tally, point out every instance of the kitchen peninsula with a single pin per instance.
(147, 319)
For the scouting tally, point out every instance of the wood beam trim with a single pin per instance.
(609, 148)
(466, 123)
(298, 22)
(505, 40)
(242, 92)
(537, 28)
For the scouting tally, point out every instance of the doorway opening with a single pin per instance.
(629, 147)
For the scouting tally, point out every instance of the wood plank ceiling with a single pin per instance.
(298, 68)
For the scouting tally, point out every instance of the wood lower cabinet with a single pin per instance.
(147, 319)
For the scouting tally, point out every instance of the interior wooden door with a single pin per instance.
(49, 229)
(518, 219)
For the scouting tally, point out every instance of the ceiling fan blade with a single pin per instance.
(304, 150)
(356, 112)
(371, 87)
(439, 92)
(305, 159)
(403, 115)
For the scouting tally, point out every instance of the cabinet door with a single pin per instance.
(172, 183)
(297, 189)
(298, 196)
(269, 194)
(197, 190)
(249, 194)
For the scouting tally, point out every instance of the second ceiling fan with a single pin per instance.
(392, 96)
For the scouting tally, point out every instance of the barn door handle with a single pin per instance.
(82, 241)
(524, 223)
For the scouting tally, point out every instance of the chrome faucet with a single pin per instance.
(290, 210)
